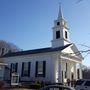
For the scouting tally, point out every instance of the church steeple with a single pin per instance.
(60, 31)
(60, 14)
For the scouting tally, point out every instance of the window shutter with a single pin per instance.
(29, 68)
(36, 69)
(16, 67)
(22, 68)
(62, 76)
(10, 69)
(44, 68)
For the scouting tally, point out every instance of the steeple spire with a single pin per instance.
(60, 14)
(60, 31)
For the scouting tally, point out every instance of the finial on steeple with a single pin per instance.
(60, 14)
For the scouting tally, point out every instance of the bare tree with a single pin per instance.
(7, 47)
(86, 73)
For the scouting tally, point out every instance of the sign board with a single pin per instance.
(15, 79)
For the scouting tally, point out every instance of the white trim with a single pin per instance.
(3, 64)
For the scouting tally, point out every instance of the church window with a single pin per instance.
(40, 68)
(26, 68)
(57, 34)
(78, 73)
(65, 74)
(58, 23)
(66, 35)
(66, 71)
(72, 75)
(14, 67)
(66, 66)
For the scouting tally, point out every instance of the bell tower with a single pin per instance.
(60, 31)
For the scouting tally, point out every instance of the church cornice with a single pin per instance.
(68, 56)
(61, 26)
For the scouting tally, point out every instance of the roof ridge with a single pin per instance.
(35, 51)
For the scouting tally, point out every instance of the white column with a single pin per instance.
(54, 68)
(60, 70)
(80, 70)
(68, 70)
(75, 71)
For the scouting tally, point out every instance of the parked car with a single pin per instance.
(56, 87)
(82, 84)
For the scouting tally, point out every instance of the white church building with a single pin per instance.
(53, 64)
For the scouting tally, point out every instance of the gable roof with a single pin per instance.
(35, 51)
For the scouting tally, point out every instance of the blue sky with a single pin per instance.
(28, 23)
